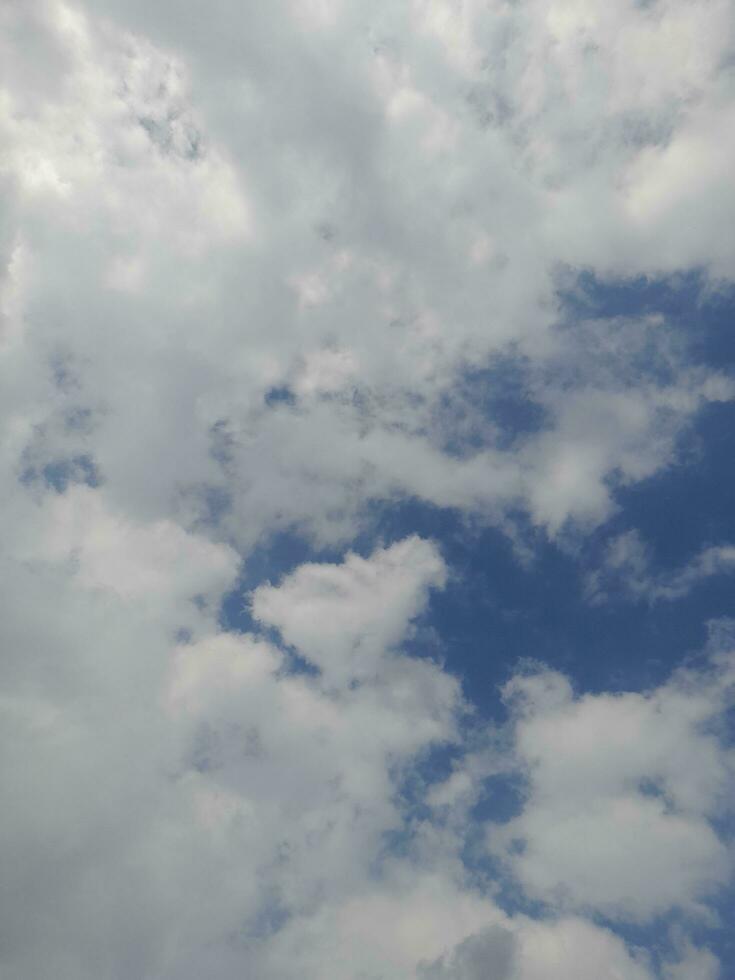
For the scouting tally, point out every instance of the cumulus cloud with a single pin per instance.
(198, 795)
(345, 618)
(263, 267)
(624, 792)
(202, 807)
(360, 234)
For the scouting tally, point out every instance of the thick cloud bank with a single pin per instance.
(274, 268)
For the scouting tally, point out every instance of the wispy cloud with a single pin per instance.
(628, 570)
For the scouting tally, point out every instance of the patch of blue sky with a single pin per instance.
(61, 473)
(493, 405)
(281, 395)
(496, 611)
(704, 310)
(688, 505)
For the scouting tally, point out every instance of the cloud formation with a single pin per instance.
(277, 268)
(359, 235)
(623, 794)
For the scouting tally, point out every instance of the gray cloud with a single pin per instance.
(487, 956)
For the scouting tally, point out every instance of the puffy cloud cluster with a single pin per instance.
(622, 794)
(249, 251)
(185, 801)
(262, 266)
(169, 805)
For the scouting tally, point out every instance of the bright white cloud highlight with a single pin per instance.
(346, 618)
(622, 790)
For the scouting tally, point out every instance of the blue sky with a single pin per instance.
(367, 389)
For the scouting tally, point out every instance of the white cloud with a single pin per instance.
(256, 263)
(622, 791)
(164, 801)
(198, 228)
(111, 553)
(205, 810)
(345, 618)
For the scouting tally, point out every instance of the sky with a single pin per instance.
(367, 445)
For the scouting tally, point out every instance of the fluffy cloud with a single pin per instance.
(204, 806)
(287, 278)
(623, 792)
(262, 266)
(197, 794)
(345, 618)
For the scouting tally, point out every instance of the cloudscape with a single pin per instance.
(367, 398)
